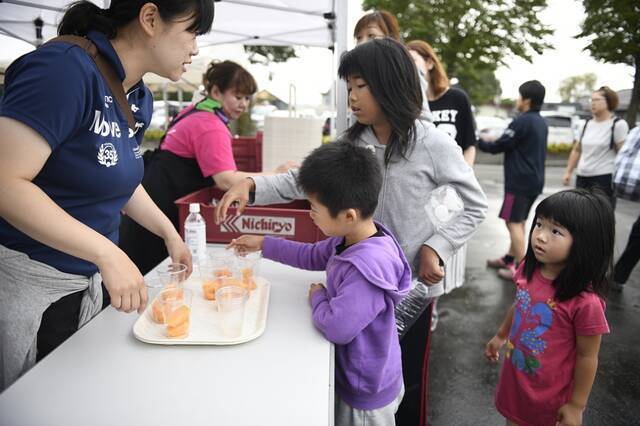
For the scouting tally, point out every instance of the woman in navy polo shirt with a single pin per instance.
(69, 164)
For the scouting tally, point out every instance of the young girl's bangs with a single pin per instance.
(560, 209)
(350, 65)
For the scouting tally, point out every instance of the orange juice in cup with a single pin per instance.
(176, 314)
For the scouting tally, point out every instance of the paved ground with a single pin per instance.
(462, 383)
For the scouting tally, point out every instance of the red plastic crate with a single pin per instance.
(289, 220)
(247, 151)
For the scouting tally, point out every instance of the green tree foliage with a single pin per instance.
(573, 88)
(472, 37)
(613, 30)
(266, 54)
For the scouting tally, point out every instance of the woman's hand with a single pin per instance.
(246, 244)
(123, 281)
(238, 192)
(430, 270)
(566, 178)
(179, 252)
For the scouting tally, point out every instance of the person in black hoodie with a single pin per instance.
(524, 144)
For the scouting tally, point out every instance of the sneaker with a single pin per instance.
(508, 272)
(498, 263)
(617, 287)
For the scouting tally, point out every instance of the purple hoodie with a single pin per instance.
(356, 312)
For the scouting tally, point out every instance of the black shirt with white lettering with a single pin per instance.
(452, 114)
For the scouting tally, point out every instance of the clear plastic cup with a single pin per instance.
(231, 306)
(222, 263)
(248, 269)
(176, 311)
(216, 275)
(171, 275)
(168, 294)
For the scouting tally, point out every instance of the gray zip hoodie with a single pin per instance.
(435, 160)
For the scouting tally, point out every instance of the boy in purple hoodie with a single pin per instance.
(367, 276)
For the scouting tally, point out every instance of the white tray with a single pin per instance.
(204, 329)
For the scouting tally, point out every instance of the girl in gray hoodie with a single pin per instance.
(416, 158)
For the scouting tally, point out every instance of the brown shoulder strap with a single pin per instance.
(107, 71)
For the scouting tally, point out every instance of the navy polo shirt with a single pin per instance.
(96, 162)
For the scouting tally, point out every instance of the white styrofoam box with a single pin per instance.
(289, 139)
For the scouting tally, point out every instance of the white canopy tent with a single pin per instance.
(318, 23)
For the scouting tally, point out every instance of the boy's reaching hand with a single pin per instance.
(313, 288)
(492, 350)
(246, 244)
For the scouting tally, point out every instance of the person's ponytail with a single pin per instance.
(84, 16)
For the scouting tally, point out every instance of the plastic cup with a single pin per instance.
(222, 263)
(248, 267)
(176, 311)
(216, 273)
(231, 306)
(171, 275)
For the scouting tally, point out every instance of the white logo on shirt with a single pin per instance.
(107, 155)
(101, 127)
(137, 152)
(132, 132)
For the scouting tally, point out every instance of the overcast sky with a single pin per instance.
(313, 72)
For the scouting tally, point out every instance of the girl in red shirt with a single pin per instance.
(553, 331)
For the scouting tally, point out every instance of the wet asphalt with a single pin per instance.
(462, 383)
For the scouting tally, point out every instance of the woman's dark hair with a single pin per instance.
(534, 91)
(438, 80)
(392, 77)
(342, 176)
(382, 19)
(610, 96)
(84, 16)
(229, 75)
(588, 216)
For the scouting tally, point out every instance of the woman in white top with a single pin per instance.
(602, 137)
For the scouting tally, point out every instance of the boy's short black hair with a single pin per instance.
(342, 176)
(534, 91)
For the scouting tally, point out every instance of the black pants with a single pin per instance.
(601, 181)
(415, 370)
(630, 256)
(60, 321)
(167, 178)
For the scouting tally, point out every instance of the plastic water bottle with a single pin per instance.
(195, 233)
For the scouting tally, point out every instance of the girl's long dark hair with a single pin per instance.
(588, 216)
(84, 16)
(392, 77)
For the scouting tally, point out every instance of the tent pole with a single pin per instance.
(341, 46)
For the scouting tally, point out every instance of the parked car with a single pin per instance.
(561, 127)
(490, 127)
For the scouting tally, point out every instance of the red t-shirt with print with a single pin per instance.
(537, 374)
